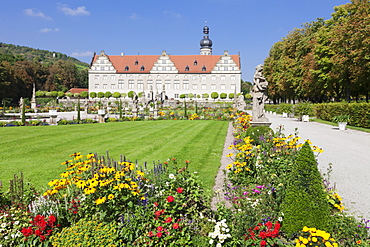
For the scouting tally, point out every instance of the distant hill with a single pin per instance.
(42, 56)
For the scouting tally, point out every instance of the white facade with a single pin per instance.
(173, 75)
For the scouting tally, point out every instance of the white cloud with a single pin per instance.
(73, 12)
(47, 30)
(171, 13)
(134, 16)
(82, 54)
(35, 13)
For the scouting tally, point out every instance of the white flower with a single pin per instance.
(280, 219)
(218, 245)
(171, 176)
(211, 241)
(3, 225)
(16, 222)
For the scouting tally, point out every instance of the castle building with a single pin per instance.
(172, 75)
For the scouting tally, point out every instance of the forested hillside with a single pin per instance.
(324, 60)
(21, 67)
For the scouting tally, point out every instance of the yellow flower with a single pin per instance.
(110, 196)
(229, 166)
(100, 200)
(314, 239)
(229, 155)
(140, 173)
(80, 184)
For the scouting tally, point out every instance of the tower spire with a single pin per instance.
(206, 43)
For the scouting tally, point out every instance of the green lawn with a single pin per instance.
(37, 151)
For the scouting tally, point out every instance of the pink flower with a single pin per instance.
(168, 220)
(159, 234)
(175, 226)
(180, 190)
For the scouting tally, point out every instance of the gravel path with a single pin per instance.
(348, 151)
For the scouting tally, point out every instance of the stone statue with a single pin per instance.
(240, 103)
(259, 95)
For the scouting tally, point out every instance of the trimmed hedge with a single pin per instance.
(359, 112)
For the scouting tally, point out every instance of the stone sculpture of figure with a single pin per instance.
(21, 102)
(259, 95)
(240, 103)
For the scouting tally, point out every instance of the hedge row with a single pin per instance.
(359, 112)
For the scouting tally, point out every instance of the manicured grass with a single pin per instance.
(335, 124)
(37, 151)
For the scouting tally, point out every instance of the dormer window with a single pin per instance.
(187, 68)
(142, 68)
(204, 68)
(126, 68)
(136, 62)
(195, 62)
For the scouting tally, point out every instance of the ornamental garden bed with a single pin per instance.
(277, 198)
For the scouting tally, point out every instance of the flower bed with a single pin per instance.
(98, 201)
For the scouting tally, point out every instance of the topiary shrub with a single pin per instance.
(257, 133)
(305, 202)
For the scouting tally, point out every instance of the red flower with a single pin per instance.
(175, 226)
(150, 234)
(27, 231)
(160, 228)
(180, 190)
(170, 199)
(263, 243)
(168, 220)
(156, 204)
(159, 234)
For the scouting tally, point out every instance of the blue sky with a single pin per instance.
(81, 27)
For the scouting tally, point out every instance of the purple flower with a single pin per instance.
(260, 186)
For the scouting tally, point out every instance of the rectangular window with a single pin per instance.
(113, 86)
(158, 85)
(204, 86)
(213, 78)
(233, 77)
(176, 85)
(105, 86)
(176, 95)
(223, 78)
(96, 77)
(150, 84)
(232, 86)
(121, 84)
(140, 84)
(185, 85)
(195, 86)
(105, 77)
(113, 77)
(195, 77)
(203, 77)
(168, 85)
(96, 86)
(213, 86)
(131, 84)
(223, 86)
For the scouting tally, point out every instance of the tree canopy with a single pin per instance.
(323, 60)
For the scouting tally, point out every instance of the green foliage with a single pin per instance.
(107, 95)
(182, 96)
(84, 94)
(93, 94)
(131, 94)
(100, 95)
(258, 133)
(205, 96)
(359, 113)
(116, 95)
(88, 232)
(231, 95)
(303, 108)
(305, 201)
(284, 107)
(214, 95)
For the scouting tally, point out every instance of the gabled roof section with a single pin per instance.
(185, 64)
(135, 64)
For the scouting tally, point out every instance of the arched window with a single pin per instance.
(136, 62)
(126, 68)
(187, 68)
(204, 68)
(142, 68)
(195, 62)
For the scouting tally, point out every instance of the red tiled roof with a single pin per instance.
(77, 90)
(181, 62)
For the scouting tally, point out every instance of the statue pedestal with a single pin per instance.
(255, 123)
